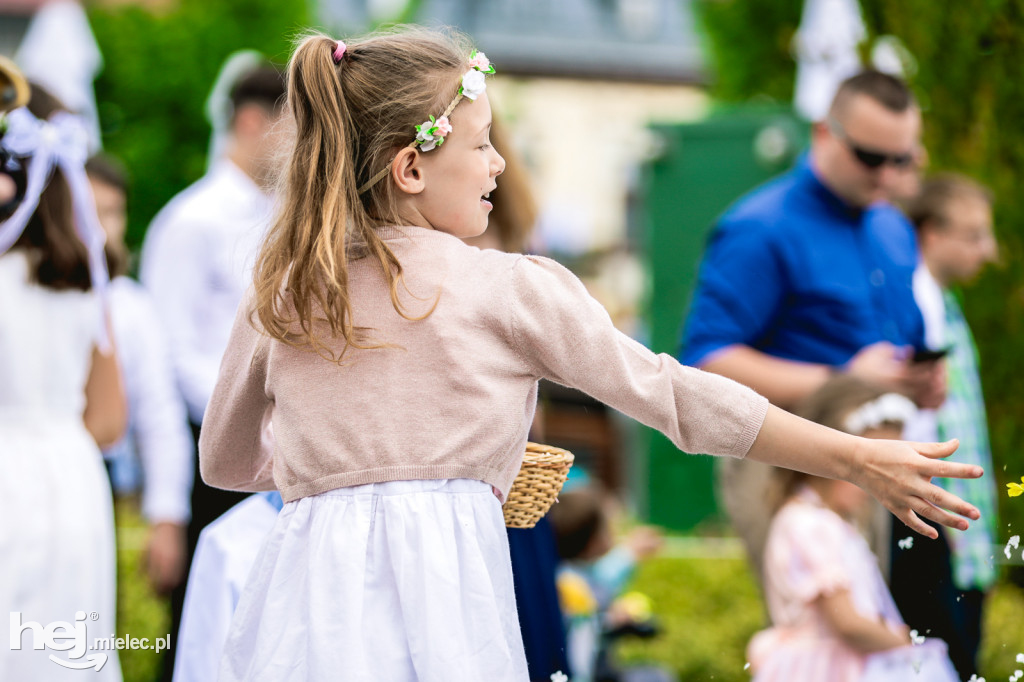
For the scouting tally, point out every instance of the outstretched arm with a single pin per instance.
(897, 473)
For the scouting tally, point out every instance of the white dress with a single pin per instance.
(405, 581)
(57, 561)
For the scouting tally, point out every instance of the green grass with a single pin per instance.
(140, 613)
(708, 609)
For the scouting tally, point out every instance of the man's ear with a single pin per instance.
(820, 130)
(407, 171)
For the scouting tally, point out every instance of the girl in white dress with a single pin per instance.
(399, 368)
(60, 396)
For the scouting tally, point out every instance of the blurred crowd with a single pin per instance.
(831, 290)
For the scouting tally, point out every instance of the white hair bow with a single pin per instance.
(60, 142)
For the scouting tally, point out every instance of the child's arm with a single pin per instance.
(563, 334)
(106, 414)
(863, 634)
(897, 473)
(106, 408)
(231, 452)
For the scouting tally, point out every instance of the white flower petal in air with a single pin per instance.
(559, 677)
(473, 84)
(906, 543)
(1020, 658)
(1014, 543)
(915, 638)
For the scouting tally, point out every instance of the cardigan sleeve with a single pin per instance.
(563, 334)
(235, 448)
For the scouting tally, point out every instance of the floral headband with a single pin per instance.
(889, 408)
(432, 132)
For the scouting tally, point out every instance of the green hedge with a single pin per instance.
(970, 82)
(159, 67)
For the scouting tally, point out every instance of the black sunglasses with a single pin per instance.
(870, 159)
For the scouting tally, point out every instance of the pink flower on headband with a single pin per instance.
(479, 61)
(443, 126)
(339, 52)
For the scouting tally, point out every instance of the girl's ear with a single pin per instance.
(407, 171)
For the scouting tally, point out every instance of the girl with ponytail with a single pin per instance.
(398, 369)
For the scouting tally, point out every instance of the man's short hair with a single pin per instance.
(931, 204)
(263, 85)
(889, 91)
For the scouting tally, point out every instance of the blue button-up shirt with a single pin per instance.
(796, 273)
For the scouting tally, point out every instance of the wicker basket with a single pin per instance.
(537, 486)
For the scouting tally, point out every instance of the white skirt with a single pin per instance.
(402, 581)
(57, 558)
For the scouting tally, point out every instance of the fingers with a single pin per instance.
(908, 517)
(941, 516)
(941, 469)
(942, 499)
(939, 451)
(920, 507)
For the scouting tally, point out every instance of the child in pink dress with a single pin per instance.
(834, 616)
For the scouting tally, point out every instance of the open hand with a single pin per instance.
(898, 474)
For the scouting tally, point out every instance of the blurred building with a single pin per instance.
(578, 83)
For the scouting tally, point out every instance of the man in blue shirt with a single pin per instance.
(812, 273)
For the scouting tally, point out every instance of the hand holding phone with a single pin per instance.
(929, 355)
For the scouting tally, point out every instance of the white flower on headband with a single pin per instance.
(430, 134)
(473, 84)
(891, 407)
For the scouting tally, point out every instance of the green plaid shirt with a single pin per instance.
(963, 416)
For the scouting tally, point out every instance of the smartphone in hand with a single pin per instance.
(928, 354)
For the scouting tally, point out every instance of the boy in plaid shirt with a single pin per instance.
(940, 587)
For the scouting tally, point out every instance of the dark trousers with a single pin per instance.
(922, 585)
(207, 504)
(534, 562)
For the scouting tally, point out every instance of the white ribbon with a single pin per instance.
(60, 142)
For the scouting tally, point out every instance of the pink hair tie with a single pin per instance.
(339, 52)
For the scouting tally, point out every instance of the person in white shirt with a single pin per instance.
(226, 552)
(197, 263)
(158, 432)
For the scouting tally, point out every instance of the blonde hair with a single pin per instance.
(350, 119)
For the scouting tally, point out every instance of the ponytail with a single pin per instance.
(303, 265)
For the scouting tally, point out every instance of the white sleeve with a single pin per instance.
(160, 426)
(174, 269)
(207, 612)
(225, 555)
